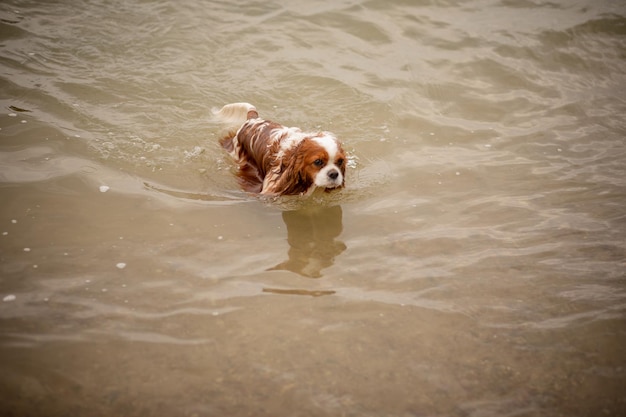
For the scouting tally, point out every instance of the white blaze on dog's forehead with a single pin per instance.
(329, 143)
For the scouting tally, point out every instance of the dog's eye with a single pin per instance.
(340, 161)
(318, 163)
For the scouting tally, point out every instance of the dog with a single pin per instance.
(277, 160)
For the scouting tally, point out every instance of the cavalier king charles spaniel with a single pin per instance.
(277, 160)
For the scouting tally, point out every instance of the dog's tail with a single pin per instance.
(235, 113)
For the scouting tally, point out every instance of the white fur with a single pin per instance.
(232, 114)
(329, 143)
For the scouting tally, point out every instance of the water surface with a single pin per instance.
(473, 265)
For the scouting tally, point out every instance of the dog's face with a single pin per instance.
(323, 161)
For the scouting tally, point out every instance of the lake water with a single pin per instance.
(474, 265)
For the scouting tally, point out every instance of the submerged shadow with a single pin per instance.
(312, 236)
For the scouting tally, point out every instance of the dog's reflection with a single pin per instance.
(312, 234)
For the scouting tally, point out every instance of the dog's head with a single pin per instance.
(324, 161)
(313, 161)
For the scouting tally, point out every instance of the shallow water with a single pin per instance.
(473, 265)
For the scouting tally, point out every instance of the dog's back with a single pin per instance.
(247, 143)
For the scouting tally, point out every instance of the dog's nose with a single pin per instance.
(333, 174)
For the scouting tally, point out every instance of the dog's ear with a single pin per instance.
(292, 178)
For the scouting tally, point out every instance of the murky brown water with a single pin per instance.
(473, 266)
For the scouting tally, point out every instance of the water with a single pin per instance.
(473, 266)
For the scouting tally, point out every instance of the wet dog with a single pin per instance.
(277, 160)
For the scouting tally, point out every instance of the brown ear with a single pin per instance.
(292, 179)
